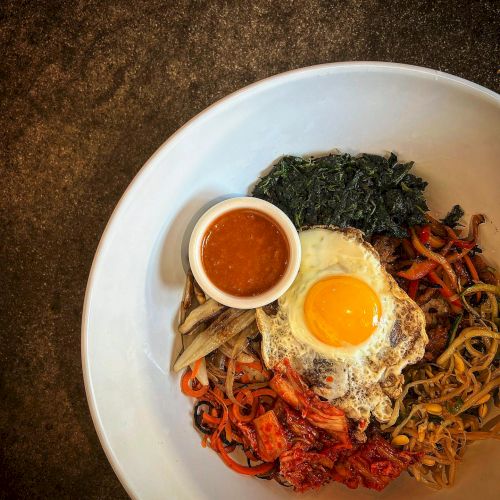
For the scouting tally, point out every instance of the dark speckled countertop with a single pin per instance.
(88, 91)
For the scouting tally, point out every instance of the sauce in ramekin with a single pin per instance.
(244, 252)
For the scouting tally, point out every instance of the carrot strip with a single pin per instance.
(227, 429)
(209, 419)
(473, 273)
(264, 392)
(421, 249)
(249, 471)
(446, 248)
(458, 256)
(471, 268)
(445, 291)
(436, 241)
(245, 396)
(187, 389)
(418, 270)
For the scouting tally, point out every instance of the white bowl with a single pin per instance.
(447, 125)
(277, 216)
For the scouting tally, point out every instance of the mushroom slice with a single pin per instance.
(187, 297)
(209, 310)
(227, 325)
(241, 355)
(199, 293)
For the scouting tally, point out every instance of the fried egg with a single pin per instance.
(345, 324)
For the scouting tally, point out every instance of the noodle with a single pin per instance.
(462, 380)
(443, 404)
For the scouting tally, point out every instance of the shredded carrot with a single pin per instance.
(418, 270)
(187, 389)
(209, 419)
(421, 249)
(458, 256)
(436, 241)
(447, 247)
(224, 417)
(249, 471)
(227, 429)
(451, 233)
(471, 268)
(245, 397)
(468, 244)
(473, 273)
(445, 290)
(264, 392)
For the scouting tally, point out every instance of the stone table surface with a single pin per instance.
(88, 91)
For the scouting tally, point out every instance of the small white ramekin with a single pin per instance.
(197, 239)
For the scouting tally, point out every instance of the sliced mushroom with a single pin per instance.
(241, 354)
(209, 310)
(199, 293)
(227, 325)
(187, 297)
(248, 332)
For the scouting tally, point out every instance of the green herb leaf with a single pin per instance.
(453, 217)
(368, 192)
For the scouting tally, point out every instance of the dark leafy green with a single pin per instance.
(454, 216)
(369, 192)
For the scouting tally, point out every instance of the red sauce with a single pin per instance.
(244, 252)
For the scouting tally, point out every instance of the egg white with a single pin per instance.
(365, 376)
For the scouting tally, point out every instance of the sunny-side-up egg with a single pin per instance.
(345, 324)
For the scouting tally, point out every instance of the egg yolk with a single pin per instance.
(342, 309)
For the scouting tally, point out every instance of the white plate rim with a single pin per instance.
(146, 168)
